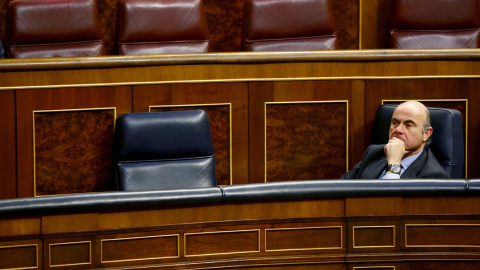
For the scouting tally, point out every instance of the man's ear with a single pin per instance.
(428, 132)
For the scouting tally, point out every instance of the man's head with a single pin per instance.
(411, 124)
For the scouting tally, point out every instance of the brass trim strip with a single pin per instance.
(370, 267)
(445, 100)
(279, 79)
(69, 243)
(20, 246)
(304, 228)
(437, 225)
(369, 227)
(302, 102)
(140, 237)
(229, 125)
(219, 232)
(54, 111)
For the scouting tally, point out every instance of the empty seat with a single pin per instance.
(53, 28)
(161, 26)
(164, 150)
(434, 24)
(288, 25)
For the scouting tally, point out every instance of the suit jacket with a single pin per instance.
(374, 162)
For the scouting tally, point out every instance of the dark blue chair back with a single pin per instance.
(447, 138)
(163, 150)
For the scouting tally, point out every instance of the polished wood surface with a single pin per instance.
(321, 233)
(248, 83)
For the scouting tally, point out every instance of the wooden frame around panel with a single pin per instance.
(302, 102)
(21, 268)
(368, 227)
(438, 225)
(69, 243)
(54, 111)
(304, 228)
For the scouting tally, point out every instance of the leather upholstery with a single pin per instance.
(423, 24)
(164, 150)
(161, 26)
(263, 192)
(53, 28)
(289, 25)
(447, 138)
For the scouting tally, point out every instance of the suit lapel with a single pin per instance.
(375, 169)
(414, 169)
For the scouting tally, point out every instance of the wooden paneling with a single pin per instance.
(70, 254)
(220, 243)
(8, 156)
(373, 23)
(229, 128)
(442, 235)
(302, 91)
(139, 248)
(29, 101)
(19, 256)
(287, 239)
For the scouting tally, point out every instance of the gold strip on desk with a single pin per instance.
(21, 246)
(69, 243)
(305, 228)
(370, 227)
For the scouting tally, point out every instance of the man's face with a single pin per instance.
(407, 124)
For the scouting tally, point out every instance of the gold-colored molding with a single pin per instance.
(439, 225)
(229, 125)
(21, 246)
(302, 102)
(267, 79)
(304, 228)
(220, 232)
(371, 227)
(136, 238)
(444, 100)
(56, 111)
(69, 243)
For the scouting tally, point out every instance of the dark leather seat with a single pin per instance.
(53, 28)
(161, 26)
(425, 24)
(288, 25)
(447, 138)
(164, 150)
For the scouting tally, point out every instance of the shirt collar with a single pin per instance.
(409, 160)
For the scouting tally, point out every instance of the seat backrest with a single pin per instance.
(163, 150)
(447, 138)
(434, 24)
(288, 25)
(53, 28)
(161, 26)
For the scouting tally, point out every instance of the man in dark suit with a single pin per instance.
(406, 154)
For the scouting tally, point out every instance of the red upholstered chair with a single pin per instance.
(428, 24)
(289, 25)
(53, 28)
(161, 26)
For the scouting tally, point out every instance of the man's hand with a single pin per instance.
(395, 150)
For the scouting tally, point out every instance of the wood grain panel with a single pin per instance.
(61, 99)
(442, 235)
(19, 256)
(373, 236)
(139, 248)
(70, 254)
(216, 243)
(20, 226)
(8, 156)
(347, 13)
(303, 238)
(306, 141)
(212, 98)
(448, 93)
(373, 268)
(373, 23)
(219, 120)
(305, 91)
(73, 151)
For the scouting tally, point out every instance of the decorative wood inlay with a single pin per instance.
(373, 236)
(69, 254)
(227, 242)
(303, 238)
(73, 150)
(140, 248)
(19, 257)
(442, 235)
(220, 129)
(306, 140)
